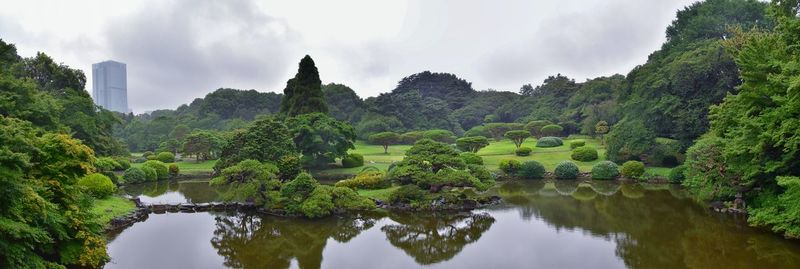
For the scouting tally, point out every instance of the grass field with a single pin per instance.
(111, 207)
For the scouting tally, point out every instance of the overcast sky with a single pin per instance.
(180, 50)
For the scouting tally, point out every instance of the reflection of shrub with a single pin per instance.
(97, 185)
(134, 175)
(365, 180)
(509, 166)
(584, 154)
(523, 151)
(162, 172)
(632, 169)
(150, 174)
(605, 170)
(166, 157)
(566, 170)
(549, 142)
(174, 171)
(406, 194)
(531, 170)
(352, 160)
(576, 144)
(471, 158)
(676, 174)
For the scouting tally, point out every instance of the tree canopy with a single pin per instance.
(303, 93)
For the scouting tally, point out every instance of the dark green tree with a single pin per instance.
(303, 93)
(320, 138)
(266, 140)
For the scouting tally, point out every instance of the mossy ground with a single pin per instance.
(111, 207)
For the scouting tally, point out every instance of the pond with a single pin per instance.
(542, 225)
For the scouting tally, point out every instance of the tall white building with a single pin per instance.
(110, 86)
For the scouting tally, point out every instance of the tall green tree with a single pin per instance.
(266, 140)
(303, 93)
(320, 138)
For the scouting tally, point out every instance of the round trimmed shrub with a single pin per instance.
(106, 164)
(147, 154)
(605, 170)
(123, 162)
(509, 166)
(365, 180)
(352, 160)
(150, 174)
(549, 142)
(97, 185)
(471, 158)
(523, 151)
(166, 157)
(162, 172)
(134, 175)
(551, 130)
(531, 170)
(632, 169)
(584, 154)
(676, 174)
(407, 194)
(566, 170)
(576, 144)
(174, 171)
(113, 177)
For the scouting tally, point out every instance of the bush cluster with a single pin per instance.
(407, 194)
(523, 151)
(174, 171)
(584, 154)
(632, 169)
(150, 174)
(107, 164)
(566, 170)
(551, 130)
(162, 172)
(676, 175)
(531, 170)
(97, 185)
(166, 157)
(134, 175)
(471, 158)
(549, 142)
(605, 170)
(365, 180)
(576, 144)
(352, 160)
(510, 166)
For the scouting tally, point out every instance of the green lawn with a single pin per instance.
(112, 207)
(380, 194)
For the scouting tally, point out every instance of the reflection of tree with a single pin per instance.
(248, 241)
(432, 238)
(199, 191)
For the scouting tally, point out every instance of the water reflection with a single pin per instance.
(174, 192)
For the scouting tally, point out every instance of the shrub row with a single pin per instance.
(566, 170)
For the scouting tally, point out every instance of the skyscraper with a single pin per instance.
(110, 86)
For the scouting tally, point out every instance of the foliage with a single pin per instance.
(249, 180)
(780, 212)
(577, 143)
(471, 158)
(632, 169)
(584, 154)
(407, 194)
(551, 130)
(134, 175)
(348, 199)
(454, 178)
(472, 143)
(384, 139)
(498, 129)
(97, 185)
(303, 93)
(518, 136)
(166, 157)
(289, 167)
(321, 138)
(709, 176)
(410, 138)
(601, 128)
(174, 171)
(150, 174)
(535, 127)
(629, 140)
(439, 135)
(106, 164)
(365, 180)
(605, 170)
(343, 103)
(162, 172)
(566, 170)
(298, 190)
(676, 174)
(265, 140)
(482, 174)
(438, 154)
(318, 204)
(373, 123)
(531, 170)
(549, 142)
(510, 166)
(523, 151)
(352, 160)
(479, 130)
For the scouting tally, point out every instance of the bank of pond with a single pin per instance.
(540, 223)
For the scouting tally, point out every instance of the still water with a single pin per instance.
(542, 225)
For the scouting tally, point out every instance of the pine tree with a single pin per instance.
(303, 93)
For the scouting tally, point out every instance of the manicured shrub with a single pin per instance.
(318, 204)
(166, 157)
(510, 166)
(97, 185)
(410, 138)
(584, 154)
(352, 160)
(605, 170)
(365, 180)
(535, 127)
(348, 199)
(162, 172)
(174, 171)
(477, 131)
(289, 167)
(123, 162)
(439, 135)
(566, 170)
(632, 169)
(531, 170)
(551, 130)
(134, 175)
(150, 174)
(676, 174)
(455, 178)
(472, 143)
(140, 160)
(147, 154)
(471, 158)
(576, 144)
(106, 164)
(152, 158)
(523, 151)
(407, 194)
(549, 142)
(481, 173)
